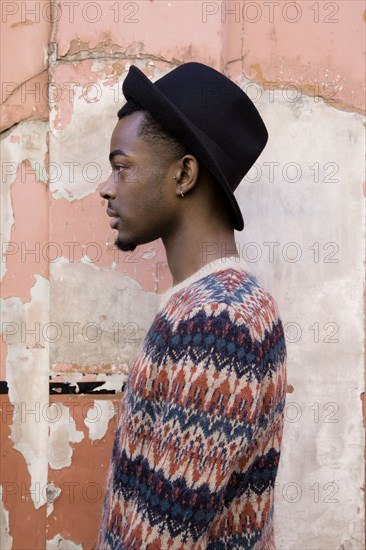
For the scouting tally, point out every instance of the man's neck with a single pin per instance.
(193, 248)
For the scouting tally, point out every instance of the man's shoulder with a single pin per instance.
(230, 289)
(225, 317)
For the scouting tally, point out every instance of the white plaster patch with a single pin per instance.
(98, 418)
(31, 146)
(27, 365)
(106, 327)
(53, 492)
(6, 540)
(62, 433)
(81, 149)
(114, 381)
(59, 543)
(149, 254)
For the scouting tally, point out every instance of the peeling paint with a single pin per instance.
(98, 418)
(62, 433)
(15, 108)
(149, 254)
(112, 380)
(30, 144)
(59, 543)
(92, 167)
(53, 494)
(29, 429)
(6, 540)
(99, 331)
(26, 22)
(328, 91)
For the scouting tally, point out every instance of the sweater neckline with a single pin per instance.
(216, 265)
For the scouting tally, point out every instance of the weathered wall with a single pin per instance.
(74, 310)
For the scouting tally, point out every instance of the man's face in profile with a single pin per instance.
(140, 190)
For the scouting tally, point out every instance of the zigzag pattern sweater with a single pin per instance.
(198, 441)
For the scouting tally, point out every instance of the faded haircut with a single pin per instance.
(153, 133)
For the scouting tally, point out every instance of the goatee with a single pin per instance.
(125, 246)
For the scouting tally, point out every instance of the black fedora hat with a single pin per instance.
(210, 115)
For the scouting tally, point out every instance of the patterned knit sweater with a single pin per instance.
(198, 441)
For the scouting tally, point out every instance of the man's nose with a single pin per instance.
(108, 189)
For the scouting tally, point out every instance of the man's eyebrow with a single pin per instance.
(116, 152)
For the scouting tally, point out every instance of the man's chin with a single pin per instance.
(125, 246)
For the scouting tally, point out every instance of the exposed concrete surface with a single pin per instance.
(97, 331)
(302, 205)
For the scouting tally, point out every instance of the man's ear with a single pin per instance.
(187, 174)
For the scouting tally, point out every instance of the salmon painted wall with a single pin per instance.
(74, 310)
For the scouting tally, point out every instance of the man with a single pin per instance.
(198, 441)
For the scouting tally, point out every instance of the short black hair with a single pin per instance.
(152, 132)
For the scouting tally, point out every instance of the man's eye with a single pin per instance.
(118, 168)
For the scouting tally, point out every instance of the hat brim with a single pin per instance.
(139, 88)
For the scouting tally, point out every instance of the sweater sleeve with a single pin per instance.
(207, 392)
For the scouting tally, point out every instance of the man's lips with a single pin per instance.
(115, 220)
(111, 213)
